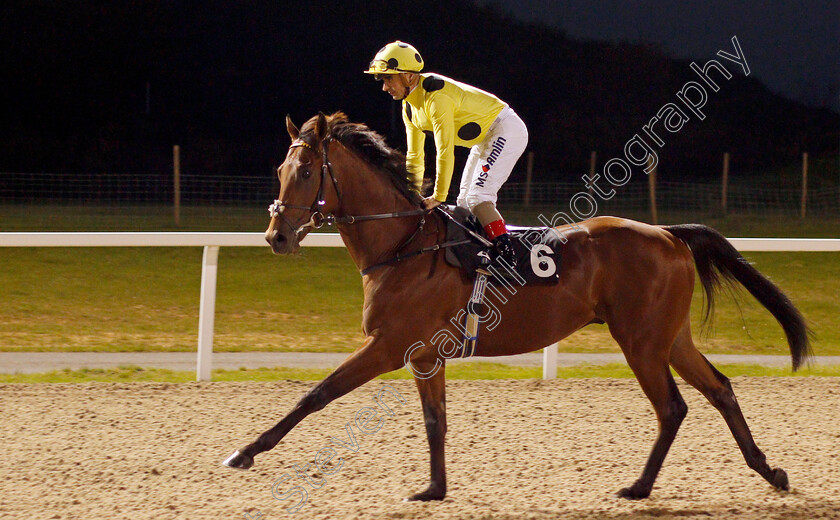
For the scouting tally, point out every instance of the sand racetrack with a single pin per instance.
(526, 449)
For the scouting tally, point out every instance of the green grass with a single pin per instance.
(470, 371)
(254, 218)
(146, 299)
(137, 217)
(732, 225)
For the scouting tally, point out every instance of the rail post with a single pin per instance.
(550, 361)
(206, 312)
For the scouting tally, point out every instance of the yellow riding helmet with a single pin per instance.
(394, 58)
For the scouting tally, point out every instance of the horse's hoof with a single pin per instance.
(426, 496)
(634, 492)
(780, 479)
(239, 461)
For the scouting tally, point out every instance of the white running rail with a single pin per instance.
(211, 242)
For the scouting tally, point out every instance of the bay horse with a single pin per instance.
(636, 278)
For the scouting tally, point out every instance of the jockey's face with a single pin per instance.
(396, 85)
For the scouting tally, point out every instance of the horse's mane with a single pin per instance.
(371, 147)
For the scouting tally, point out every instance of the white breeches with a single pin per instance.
(491, 161)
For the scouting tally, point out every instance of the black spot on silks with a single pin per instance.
(418, 58)
(393, 63)
(403, 45)
(469, 131)
(433, 83)
(408, 111)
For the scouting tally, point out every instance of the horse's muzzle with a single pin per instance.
(281, 244)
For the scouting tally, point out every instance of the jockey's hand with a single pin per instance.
(430, 203)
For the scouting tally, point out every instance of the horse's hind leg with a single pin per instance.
(696, 370)
(433, 397)
(363, 365)
(657, 383)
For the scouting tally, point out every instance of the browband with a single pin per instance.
(300, 142)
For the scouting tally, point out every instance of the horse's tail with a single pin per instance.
(715, 256)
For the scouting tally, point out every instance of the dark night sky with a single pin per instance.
(98, 87)
(792, 46)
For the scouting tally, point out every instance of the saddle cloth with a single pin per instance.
(537, 250)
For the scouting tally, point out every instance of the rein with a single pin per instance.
(317, 218)
(427, 249)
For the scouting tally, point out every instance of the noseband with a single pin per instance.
(317, 218)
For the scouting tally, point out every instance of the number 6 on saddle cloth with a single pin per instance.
(537, 250)
(538, 255)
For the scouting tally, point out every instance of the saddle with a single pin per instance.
(537, 250)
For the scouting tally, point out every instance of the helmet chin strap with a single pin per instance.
(406, 84)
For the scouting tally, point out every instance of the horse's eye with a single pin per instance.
(306, 174)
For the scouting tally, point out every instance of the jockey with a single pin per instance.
(456, 114)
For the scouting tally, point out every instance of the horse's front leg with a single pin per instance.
(363, 365)
(433, 397)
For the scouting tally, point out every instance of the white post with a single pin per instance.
(550, 361)
(207, 308)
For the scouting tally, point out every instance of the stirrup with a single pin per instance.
(472, 321)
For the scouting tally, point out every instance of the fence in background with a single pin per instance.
(130, 188)
(786, 191)
(211, 242)
(698, 197)
(36, 202)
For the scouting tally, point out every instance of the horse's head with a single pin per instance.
(304, 178)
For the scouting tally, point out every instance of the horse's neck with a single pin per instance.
(366, 191)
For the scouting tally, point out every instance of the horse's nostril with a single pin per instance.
(275, 240)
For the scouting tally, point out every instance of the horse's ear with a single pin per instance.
(291, 128)
(321, 127)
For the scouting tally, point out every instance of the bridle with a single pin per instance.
(317, 218)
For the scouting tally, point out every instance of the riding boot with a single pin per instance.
(502, 245)
(503, 248)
